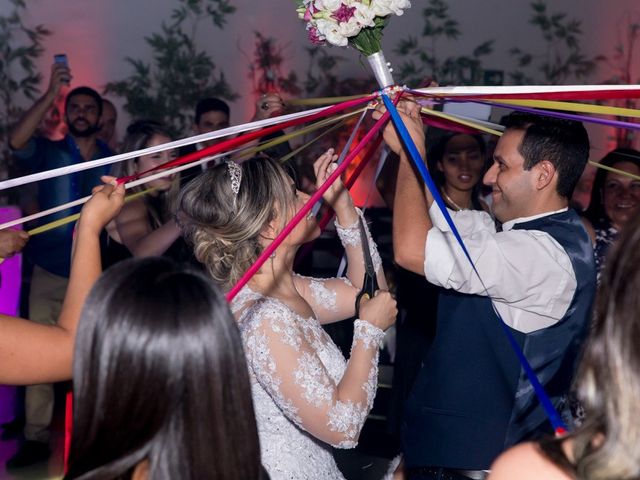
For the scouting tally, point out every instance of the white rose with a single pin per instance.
(350, 28)
(330, 30)
(364, 15)
(400, 5)
(380, 8)
(328, 5)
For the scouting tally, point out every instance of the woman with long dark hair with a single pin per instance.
(306, 394)
(615, 199)
(607, 445)
(160, 381)
(457, 163)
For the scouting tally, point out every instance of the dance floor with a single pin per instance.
(51, 469)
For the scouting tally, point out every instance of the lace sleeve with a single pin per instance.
(334, 299)
(351, 240)
(285, 360)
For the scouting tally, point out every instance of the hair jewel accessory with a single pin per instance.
(235, 174)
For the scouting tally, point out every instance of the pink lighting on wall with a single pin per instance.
(10, 271)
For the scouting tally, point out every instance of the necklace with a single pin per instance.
(454, 204)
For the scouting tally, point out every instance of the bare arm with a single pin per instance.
(525, 462)
(29, 122)
(33, 353)
(137, 235)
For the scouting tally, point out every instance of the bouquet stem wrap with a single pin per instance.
(381, 69)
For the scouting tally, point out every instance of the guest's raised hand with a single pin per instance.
(60, 76)
(103, 206)
(269, 105)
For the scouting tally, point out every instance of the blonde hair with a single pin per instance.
(607, 446)
(224, 228)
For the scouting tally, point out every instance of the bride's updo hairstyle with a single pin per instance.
(224, 210)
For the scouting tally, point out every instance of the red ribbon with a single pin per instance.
(594, 95)
(247, 137)
(329, 214)
(306, 208)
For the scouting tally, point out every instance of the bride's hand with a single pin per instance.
(336, 195)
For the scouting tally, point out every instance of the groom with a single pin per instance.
(471, 399)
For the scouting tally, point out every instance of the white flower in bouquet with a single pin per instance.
(331, 31)
(364, 15)
(350, 28)
(328, 5)
(382, 8)
(355, 22)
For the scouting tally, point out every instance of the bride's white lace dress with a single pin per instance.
(296, 372)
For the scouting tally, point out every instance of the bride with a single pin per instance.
(306, 395)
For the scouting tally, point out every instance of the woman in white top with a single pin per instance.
(306, 395)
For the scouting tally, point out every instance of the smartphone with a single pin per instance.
(61, 58)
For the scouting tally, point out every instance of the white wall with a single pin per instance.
(97, 35)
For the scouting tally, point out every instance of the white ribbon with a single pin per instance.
(135, 183)
(78, 167)
(522, 89)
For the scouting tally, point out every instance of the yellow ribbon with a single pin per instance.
(303, 102)
(614, 170)
(572, 107)
(467, 123)
(311, 142)
(478, 126)
(72, 218)
(303, 131)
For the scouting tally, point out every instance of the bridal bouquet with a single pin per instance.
(349, 22)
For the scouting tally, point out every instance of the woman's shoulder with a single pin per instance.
(258, 311)
(132, 210)
(526, 462)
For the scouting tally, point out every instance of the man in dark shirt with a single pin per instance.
(50, 252)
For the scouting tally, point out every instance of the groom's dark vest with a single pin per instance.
(471, 399)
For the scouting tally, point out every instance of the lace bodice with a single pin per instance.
(306, 395)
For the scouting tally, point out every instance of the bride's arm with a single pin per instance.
(334, 299)
(288, 367)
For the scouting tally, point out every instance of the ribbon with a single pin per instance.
(247, 137)
(329, 214)
(567, 116)
(550, 410)
(456, 119)
(322, 100)
(306, 208)
(535, 92)
(78, 167)
(574, 107)
(339, 120)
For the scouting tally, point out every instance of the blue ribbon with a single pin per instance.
(552, 413)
